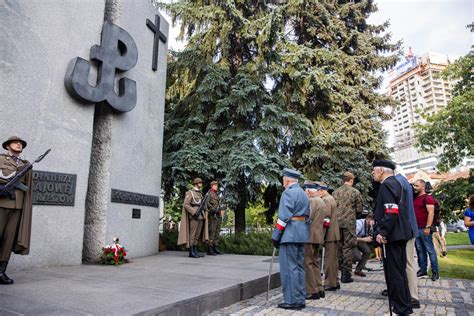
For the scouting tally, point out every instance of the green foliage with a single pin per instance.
(170, 239)
(255, 215)
(255, 243)
(451, 128)
(453, 195)
(261, 86)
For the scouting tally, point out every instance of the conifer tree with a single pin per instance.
(221, 122)
(329, 70)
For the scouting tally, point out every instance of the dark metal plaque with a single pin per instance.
(53, 188)
(125, 197)
(136, 213)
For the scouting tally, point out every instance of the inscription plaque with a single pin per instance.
(125, 197)
(136, 213)
(53, 188)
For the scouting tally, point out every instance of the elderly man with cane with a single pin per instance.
(290, 235)
(392, 231)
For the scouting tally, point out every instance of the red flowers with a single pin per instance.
(113, 254)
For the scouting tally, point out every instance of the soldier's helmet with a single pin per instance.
(13, 139)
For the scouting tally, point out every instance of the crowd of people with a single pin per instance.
(403, 220)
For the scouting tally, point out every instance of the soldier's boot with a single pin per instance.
(346, 277)
(4, 279)
(192, 252)
(200, 255)
(210, 251)
(217, 251)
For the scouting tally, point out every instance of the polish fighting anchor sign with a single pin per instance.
(116, 52)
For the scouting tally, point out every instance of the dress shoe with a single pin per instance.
(291, 306)
(331, 288)
(435, 276)
(347, 279)
(415, 303)
(313, 296)
(322, 294)
(4, 279)
(384, 292)
(360, 273)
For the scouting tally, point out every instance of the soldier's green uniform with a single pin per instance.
(214, 208)
(349, 204)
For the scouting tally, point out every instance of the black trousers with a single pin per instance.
(396, 277)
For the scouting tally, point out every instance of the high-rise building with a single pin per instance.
(417, 88)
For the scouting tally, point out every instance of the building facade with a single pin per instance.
(416, 86)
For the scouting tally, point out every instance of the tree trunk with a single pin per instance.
(240, 216)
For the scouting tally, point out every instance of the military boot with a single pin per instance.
(217, 251)
(192, 252)
(4, 279)
(346, 277)
(210, 251)
(200, 255)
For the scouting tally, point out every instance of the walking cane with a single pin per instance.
(326, 224)
(385, 273)
(270, 272)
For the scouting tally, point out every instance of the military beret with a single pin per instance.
(309, 185)
(291, 173)
(197, 180)
(214, 182)
(383, 163)
(13, 139)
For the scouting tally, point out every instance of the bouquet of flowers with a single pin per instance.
(113, 254)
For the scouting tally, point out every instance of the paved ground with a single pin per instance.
(443, 297)
(169, 283)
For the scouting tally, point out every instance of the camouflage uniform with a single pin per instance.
(349, 204)
(214, 218)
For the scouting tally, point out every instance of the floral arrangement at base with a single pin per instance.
(114, 254)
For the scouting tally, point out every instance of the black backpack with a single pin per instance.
(437, 210)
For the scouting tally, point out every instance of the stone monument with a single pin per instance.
(87, 79)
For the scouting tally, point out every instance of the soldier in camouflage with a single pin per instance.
(214, 208)
(349, 205)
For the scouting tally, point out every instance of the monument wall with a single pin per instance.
(39, 39)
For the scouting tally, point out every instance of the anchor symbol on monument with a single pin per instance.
(117, 52)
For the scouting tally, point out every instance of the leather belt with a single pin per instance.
(298, 218)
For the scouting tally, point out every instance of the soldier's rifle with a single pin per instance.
(14, 180)
(200, 209)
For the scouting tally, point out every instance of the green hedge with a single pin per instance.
(253, 243)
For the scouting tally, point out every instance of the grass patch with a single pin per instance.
(458, 264)
(455, 239)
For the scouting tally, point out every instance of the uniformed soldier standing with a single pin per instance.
(314, 285)
(331, 238)
(349, 205)
(15, 215)
(193, 226)
(291, 234)
(215, 214)
(394, 230)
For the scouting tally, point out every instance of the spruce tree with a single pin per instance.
(329, 70)
(221, 122)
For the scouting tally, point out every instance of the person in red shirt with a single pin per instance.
(424, 212)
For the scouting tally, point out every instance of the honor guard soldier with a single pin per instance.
(215, 213)
(290, 235)
(15, 210)
(349, 205)
(193, 225)
(314, 285)
(331, 238)
(393, 230)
